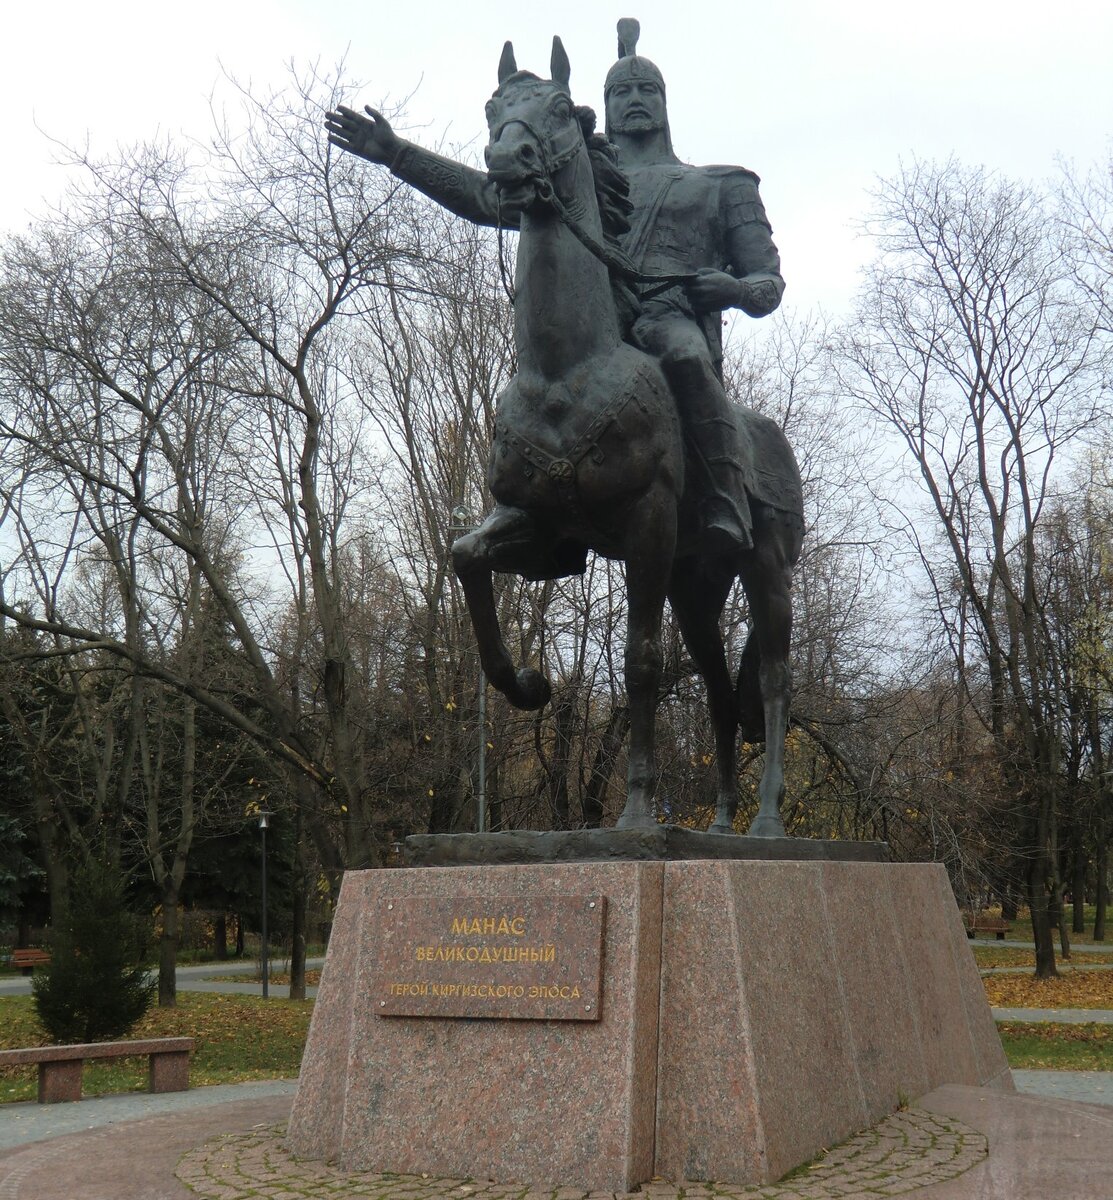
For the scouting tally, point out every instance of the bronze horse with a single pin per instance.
(589, 454)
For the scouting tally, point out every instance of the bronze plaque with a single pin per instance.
(534, 957)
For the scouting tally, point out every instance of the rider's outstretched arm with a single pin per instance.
(462, 190)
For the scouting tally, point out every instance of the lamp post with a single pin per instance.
(264, 821)
(462, 523)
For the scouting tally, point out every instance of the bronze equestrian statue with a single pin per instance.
(616, 435)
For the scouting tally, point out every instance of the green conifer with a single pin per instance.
(96, 986)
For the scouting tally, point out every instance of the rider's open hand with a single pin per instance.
(369, 136)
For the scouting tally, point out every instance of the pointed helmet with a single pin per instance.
(632, 65)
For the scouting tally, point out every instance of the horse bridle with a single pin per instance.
(551, 159)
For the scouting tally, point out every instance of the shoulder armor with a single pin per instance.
(725, 172)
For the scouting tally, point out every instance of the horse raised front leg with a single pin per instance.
(649, 546)
(472, 555)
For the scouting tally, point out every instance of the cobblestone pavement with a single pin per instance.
(906, 1151)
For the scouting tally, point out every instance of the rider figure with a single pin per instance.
(707, 221)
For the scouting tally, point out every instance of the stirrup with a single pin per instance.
(721, 529)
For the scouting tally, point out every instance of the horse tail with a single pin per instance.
(747, 692)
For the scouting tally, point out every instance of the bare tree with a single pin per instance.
(169, 368)
(973, 346)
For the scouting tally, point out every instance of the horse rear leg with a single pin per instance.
(767, 578)
(697, 599)
(472, 555)
(648, 549)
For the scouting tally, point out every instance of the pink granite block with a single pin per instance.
(707, 1095)
(60, 1081)
(316, 1118)
(873, 985)
(756, 1060)
(925, 947)
(168, 1071)
(990, 1063)
(752, 1013)
(569, 1103)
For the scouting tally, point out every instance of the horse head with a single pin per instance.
(535, 130)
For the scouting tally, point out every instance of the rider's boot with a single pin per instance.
(723, 511)
(724, 526)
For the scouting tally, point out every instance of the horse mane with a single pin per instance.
(612, 194)
(612, 187)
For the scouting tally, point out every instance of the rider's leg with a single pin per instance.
(710, 425)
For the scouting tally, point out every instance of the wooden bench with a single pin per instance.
(60, 1066)
(27, 959)
(995, 925)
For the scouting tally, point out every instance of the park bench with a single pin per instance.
(60, 1066)
(27, 959)
(977, 924)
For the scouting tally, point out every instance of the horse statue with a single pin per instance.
(588, 454)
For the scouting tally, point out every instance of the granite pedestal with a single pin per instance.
(752, 1012)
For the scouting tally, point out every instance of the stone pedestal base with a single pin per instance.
(752, 1013)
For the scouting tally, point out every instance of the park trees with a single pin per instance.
(174, 424)
(975, 349)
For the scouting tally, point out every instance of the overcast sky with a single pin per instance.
(818, 97)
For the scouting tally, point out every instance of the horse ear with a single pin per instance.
(560, 69)
(507, 65)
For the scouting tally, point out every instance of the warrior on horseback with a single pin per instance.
(588, 452)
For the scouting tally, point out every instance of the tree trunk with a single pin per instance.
(1078, 890)
(602, 768)
(220, 936)
(1057, 915)
(557, 768)
(1101, 891)
(168, 948)
(239, 935)
(1039, 909)
(300, 884)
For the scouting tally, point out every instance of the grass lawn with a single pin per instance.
(1057, 1047)
(238, 1038)
(1016, 956)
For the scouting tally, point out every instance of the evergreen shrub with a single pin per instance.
(96, 986)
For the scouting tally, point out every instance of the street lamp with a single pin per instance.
(462, 523)
(264, 821)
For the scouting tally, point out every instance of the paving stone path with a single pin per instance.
(906, 1151)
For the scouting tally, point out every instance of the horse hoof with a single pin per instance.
(717, 828)
(766, 827)
(531, 689)
(636, 821)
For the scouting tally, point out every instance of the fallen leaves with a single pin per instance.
(1019, 956)
(1072, 989)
